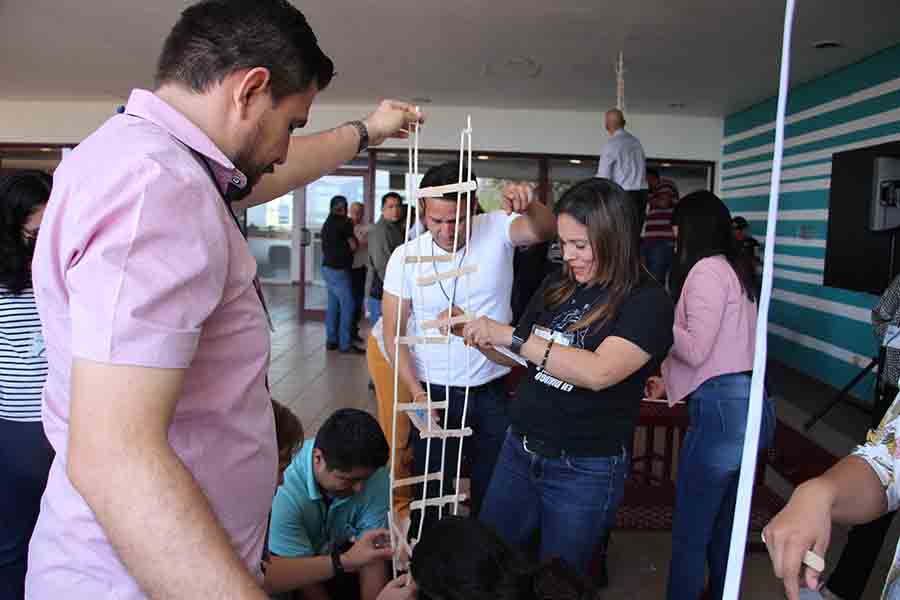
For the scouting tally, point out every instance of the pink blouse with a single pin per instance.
(715, 326)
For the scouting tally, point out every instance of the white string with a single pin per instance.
(467, 136)
(410, 189)
(428, 408)
(757, 386)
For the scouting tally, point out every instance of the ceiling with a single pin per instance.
(711, 56)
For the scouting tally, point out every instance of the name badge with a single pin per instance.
(892, 337)
(558, 337)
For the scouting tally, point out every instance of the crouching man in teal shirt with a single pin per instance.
(327, 537)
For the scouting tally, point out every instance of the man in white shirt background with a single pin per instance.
(624, 163)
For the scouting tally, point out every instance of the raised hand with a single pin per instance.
(517, 197)
(392, 119)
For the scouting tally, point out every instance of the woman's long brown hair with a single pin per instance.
(611, 220)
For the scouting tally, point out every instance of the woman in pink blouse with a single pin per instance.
(709, 367)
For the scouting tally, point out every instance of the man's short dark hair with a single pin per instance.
(654, 172)
(215, 38)
(352, 438)
(390, 195)
(337, 202)
(446, 174)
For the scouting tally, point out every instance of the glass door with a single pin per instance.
(270, 229)
(350, 183)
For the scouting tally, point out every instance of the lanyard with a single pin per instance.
(450, 298)
(256, 285)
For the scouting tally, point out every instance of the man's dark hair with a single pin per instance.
(352, 438)
(337, 202)
(288, 429)
(390, 195)
(215, 38)
(446, 174)
(652, 171)
(21, 195)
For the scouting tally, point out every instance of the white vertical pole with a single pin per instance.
(754, 415)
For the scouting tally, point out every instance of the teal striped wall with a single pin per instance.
(821, 331)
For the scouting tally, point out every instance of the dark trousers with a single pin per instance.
(487, 416)
(864, 541)
(639, 198)
(25, 455)
(358, 279)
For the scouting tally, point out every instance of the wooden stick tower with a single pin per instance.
(421, 409)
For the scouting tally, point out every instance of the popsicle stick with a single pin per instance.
(451, 274)
(439, 190)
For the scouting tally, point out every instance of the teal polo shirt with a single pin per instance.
(304, 525)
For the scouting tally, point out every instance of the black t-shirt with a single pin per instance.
(336, 233)
(579, 420)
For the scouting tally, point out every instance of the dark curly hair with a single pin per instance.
(21, 194)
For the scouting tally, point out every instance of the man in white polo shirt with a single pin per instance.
(487, 291)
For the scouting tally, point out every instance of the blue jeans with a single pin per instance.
(488, 419)
(572, 500)
(373, 307)
(658, 256)
(706, 489)
(341, 306)
(25, 455)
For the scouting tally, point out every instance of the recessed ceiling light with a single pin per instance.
(667, 164)
(483, 157)
(678, 105)
(826, 44)
(46, 149)
(391, 154)
(574, 161)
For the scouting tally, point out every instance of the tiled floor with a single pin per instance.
(314, 382)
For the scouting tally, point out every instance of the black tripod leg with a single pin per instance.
(840, 395)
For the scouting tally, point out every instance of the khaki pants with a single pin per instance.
(382, 374)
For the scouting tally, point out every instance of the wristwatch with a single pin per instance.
(336, 562)
(363, 135)
(517, 343)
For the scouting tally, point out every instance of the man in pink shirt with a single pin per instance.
(158, 344)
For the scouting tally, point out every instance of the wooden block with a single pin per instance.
(453, 188)
(405, 406)
(398, 483)
(451, 274)
(411, 260)
(438, 323)
(412, 340)
(442, 501)
(436, 430)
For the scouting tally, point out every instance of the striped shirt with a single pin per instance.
(23, 364)
(658, 225)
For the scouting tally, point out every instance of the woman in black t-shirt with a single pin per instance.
(591, 335)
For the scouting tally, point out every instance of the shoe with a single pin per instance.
(356, 338)
(329, 346)
(353, 350)
(371, 385)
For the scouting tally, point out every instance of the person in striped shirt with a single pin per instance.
(25, 453)
(658, 243)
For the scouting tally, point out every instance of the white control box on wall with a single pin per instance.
(884, 213)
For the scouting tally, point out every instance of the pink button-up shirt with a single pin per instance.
(140, 263)
(715, 326)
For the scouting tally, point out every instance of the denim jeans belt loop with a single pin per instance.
(539, 448)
